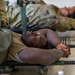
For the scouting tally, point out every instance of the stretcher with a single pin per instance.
(66, 40)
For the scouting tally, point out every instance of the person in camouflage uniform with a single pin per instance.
(42, 16)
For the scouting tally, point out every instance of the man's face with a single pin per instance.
(35, 39)
(66, 11)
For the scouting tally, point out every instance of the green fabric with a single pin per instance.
(5, 41)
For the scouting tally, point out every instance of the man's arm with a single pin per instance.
(41, 56)
(51, 36)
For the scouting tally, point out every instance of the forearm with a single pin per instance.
(53, 38)
(55, 55)
(40, 56)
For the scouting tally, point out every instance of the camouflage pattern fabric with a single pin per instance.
(3, 13)
(41, 16)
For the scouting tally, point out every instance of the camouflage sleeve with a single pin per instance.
(3, 13)
(64, 23)
(39, 2)
(55, 7)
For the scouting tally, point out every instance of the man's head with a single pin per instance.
(34, 39)
(65, 11)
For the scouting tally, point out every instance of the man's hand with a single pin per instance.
(65, 49)
(66, 52)
(61, 46)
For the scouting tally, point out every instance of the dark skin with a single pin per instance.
(37, 55)
(39, 38)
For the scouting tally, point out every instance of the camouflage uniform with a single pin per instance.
(42, 16)
(3, 13)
